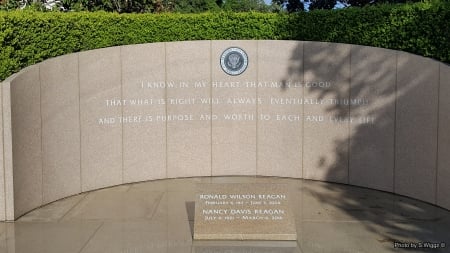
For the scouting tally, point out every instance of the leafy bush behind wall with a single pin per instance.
(28, 37)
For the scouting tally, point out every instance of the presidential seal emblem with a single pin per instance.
(234, 61)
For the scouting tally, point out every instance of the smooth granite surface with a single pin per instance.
(26, 139)
(329, 218)
(7, 150)
(443, 170)
(416, 157)
(334, 112)
(243, 212)
(280, 130)
(234, 141)
(60, 108)
(101, 144)
(188, 140)
(2, 168)
(144, 144)
(371, 152)
(326, 158)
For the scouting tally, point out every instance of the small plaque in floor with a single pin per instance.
(243, 212)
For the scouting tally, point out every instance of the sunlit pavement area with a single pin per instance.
(157, 216)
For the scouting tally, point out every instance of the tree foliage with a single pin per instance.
(295, 6)
(196, 6)
(192, 6)
(245, 5)
(331, 4)
(291, 5)
(322, 4)
(144, 6)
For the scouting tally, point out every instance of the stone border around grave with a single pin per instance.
(350, 114)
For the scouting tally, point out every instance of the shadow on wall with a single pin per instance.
(375, 126)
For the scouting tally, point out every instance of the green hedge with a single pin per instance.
(28, 37)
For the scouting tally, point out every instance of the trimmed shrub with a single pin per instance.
(28, 37)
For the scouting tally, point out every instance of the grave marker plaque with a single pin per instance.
(243, 212)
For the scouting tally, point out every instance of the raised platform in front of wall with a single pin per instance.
(333, 112)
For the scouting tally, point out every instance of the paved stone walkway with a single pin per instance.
(157, 216)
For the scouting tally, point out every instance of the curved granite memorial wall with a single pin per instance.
(342, 113)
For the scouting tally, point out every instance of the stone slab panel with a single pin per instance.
(26, 136)
(188, 109)
(121, 205)
(372, 108)
(53, 212)
(243, 212)
(234, 139)
(179, 207)
(144, 139)
(52, 237)
(2, 167)
(326, 125)
(443, 173)
(416, 127)
(85, 127)
(7, 149)
(245, 246)
(101, 141)
(280, 74)
(60, 127)
(129, 236)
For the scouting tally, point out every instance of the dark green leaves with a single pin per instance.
(28, 37)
